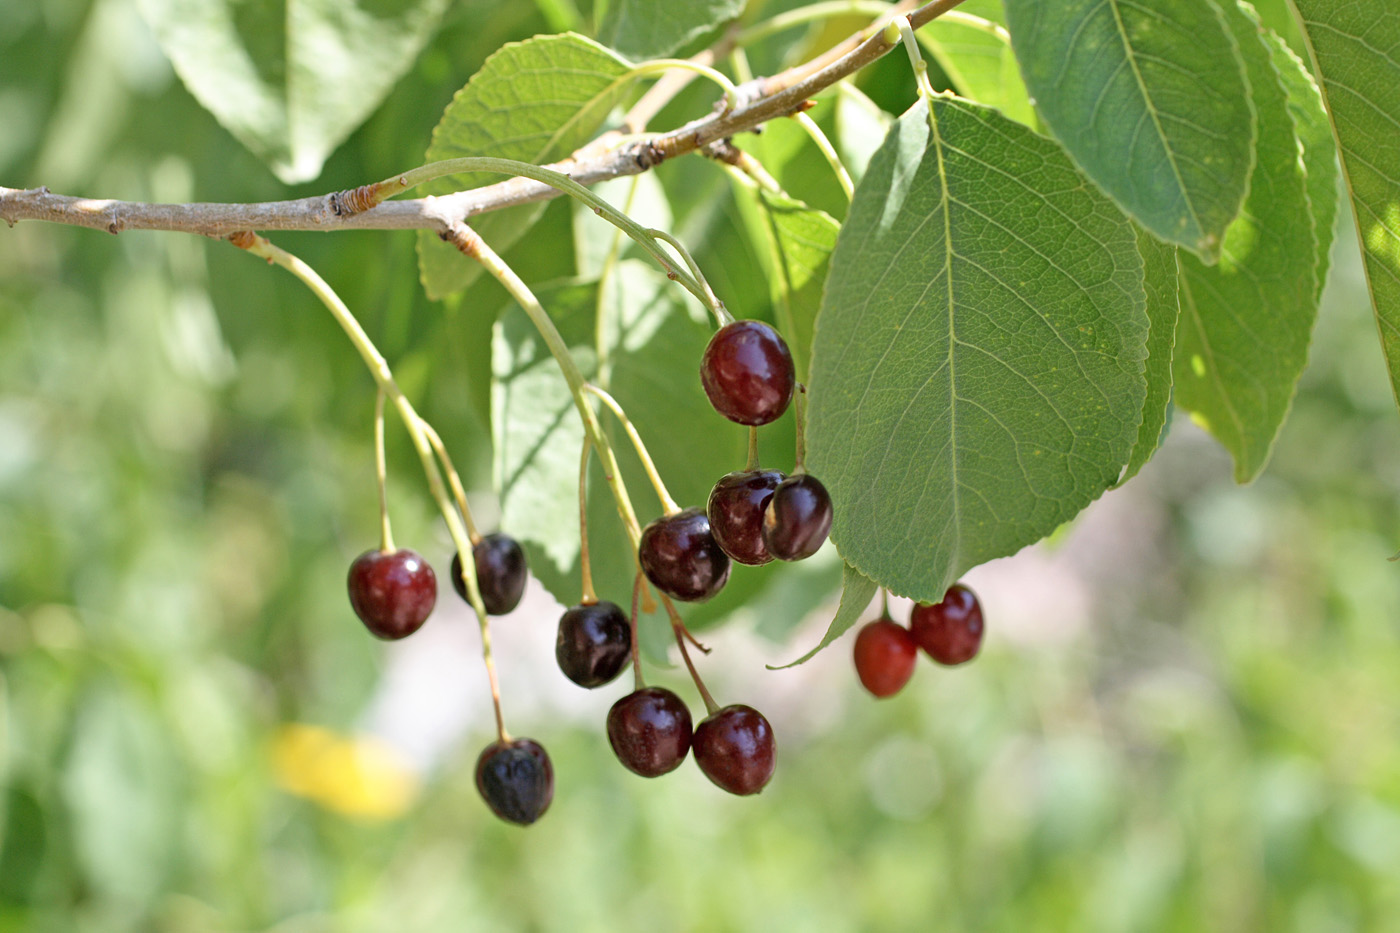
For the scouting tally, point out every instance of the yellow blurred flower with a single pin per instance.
(357, 776)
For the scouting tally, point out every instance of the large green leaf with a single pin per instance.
(538, 436)
(291, 78)
(532, 101)
(1151, 100)
(797, 241)
(1246, 322)
(655, 28)
(1160, 282)
(857, 590)
(1319, 151)
(980, 64)
(1355, 48)
(977, 373)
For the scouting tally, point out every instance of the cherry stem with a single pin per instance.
(677, 628)
(799, 406)
(884, 602)
(586, 571)
(668, 504)
(453, 480)
(685, 630)
(379, 368)
(721, 314)
(381, 472)
(663, 65)
(638, 586)
(470, 244)
(843, 177)
(752, 463)
(916, 57)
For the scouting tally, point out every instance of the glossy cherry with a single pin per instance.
(736, 509)
(747, 372)
(798, 518)
(681, 557)
(515, 779)
(885, 653)
(594, 643)
(650, 731)
(950, 631)
(501, 573)
(392, 592)
(734, 747)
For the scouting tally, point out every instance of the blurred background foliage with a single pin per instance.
(1185, 717)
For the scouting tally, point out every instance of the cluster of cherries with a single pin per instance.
(753, 516)
(950, 632)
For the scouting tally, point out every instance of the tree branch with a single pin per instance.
(611, 155)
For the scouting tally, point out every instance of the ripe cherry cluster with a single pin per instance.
(950, 632)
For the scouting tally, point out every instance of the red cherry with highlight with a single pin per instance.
(393, 592)
(747, 372)
(734, 747)
(949, 631)
(885, 653)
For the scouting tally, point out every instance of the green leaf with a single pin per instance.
(1355, 48)
(860, 126)
(656, 28)
(981, 65)
(977, 373)
(857, 590)
(1159, 278)
(532, 101)
(290, 79)
(1319, 151)
(798, 240)
(1151, 100)
(1246, 322)
(653, 332)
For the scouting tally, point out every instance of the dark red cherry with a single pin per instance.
(885, 653)
(797, 518)
(649, 731)
(594, 643)
(747, 372)
(950, 631)
(681, 557)
(515, 779)
(734, 747)
(501, 573)
(736, 513)
(392, 592)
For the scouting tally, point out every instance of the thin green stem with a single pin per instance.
(637, 587)
(828, 151)
(379, 369)
(812, 13)
(916, 57)
(668, 505)
(884, 602)
(470, 244)
(739, 61)
(753, 449)
(662, 65)
(425, 173)
(722, 315)
(585, 569)
(679, 630)
(453, 480)
(381, 473)
(975, 22)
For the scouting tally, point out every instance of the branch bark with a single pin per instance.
(611, 155)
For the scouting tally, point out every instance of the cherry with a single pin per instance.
(885, 653)
(736, 513)
(649, 730)
(797, 518)
(392, 592)
(734, 747)
(950, 631)
(500, 573)
(516, 780)
(594, 643)
(747, 372)
(680, 556)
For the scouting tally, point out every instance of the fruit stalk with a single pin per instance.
(668, 505)
(379, 369)
(381, 475)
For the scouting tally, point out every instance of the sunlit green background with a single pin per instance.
(1186, 715)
